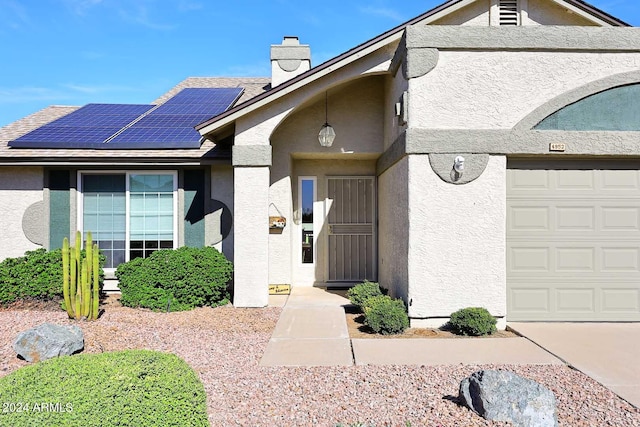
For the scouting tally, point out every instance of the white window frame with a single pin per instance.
(127, 173)
(316, 215)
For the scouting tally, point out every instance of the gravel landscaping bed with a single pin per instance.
(224, 345)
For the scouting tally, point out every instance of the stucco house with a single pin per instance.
(486, 153)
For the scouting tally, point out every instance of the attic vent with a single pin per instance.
(508, 12)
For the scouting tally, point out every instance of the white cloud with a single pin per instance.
(91, 55)
(138, 13)
(383, 12)
(249, 70)
(81, 7)
(15, 95)
(13, 15)
(189, 5)
(86, 89)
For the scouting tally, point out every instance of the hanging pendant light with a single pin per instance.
(327, 134)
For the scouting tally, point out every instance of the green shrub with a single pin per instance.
(179, 279)
(127, 388)
(37, 274)
(359, 294)
(386, 316)
(474, 321)
(373, 301)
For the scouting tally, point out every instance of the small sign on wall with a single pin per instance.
(557, 146)
(279, 289)
(277, 222)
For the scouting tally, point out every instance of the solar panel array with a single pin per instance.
(87, 127)
(172, 123)
(130, 126)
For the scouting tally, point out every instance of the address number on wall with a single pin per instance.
(557, 146)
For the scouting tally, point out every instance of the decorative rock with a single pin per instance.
(47, 341)
(505, 396)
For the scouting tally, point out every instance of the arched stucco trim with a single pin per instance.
(318, 95)
(575, 95)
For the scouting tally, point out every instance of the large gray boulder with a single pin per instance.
(48, 340)
(505, 396)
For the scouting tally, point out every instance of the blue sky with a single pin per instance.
(74, 52)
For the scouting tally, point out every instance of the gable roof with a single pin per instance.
(369, 46)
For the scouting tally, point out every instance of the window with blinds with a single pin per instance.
(130, 214)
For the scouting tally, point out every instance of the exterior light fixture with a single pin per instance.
(327, 134)
(458, 164)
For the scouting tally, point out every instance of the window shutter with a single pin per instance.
(509, 12)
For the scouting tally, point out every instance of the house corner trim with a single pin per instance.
(251, 155)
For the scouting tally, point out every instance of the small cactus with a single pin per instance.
(81, 279)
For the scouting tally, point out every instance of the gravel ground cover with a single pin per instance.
(225, 345)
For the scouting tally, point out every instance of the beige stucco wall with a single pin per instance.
(456, 241)
(221, 210)
(394, 125)
(20, 187)
(533, 12)
(493, 90)
(291, 125)
(356, 112)
(393, 228)
(542, 12)
(477, 13)
(281, 204)
(251, 261)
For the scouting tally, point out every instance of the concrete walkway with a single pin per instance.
(607, 352)
(312, 331)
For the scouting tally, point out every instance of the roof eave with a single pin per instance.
(357, 52)
(600, 14)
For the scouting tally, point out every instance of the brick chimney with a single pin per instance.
(288, 60)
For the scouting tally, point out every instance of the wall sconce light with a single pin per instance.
(327, 134)
(458, 166)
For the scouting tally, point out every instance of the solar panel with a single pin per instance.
(171, 125)
(64, 137)
(88, 126)
(134, 126)
(218, 95)
(182, 137)
(175, 120)
(112, 109)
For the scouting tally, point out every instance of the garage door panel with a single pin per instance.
(617, 180)
(571, 180)
(530, 300)
(576, 300)
(575, 259)
(573, 243)
(621, 259)
(528, 259)
(535, 180)
(621, 301)
(575, 218)
(529, 218)
(616, 218)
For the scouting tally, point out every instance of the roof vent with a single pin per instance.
(509, 14)
(288, 60)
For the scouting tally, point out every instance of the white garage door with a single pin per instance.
(573, 241)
